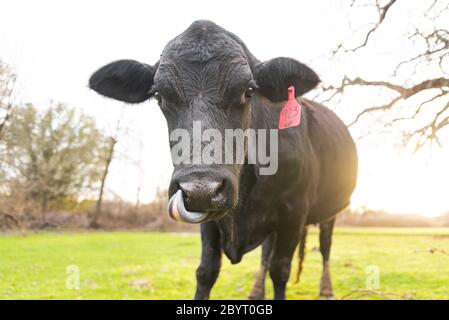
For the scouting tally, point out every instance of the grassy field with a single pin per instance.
(125, 265)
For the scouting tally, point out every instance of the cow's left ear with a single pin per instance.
(274, 76)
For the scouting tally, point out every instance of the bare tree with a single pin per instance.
(109, 155)
(412, 94)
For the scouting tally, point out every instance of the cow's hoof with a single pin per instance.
(257, 293)
(256, 296)
(326, 298)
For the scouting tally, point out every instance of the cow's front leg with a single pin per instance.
(209, 268)
(258, 291)
(287, 238)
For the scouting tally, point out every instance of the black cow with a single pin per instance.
(208, 74)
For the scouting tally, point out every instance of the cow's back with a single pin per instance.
(337, 156)
(317, 159)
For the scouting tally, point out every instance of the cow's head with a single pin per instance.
(206, 76)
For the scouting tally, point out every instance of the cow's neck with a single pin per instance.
(246, 226)
(237, 226)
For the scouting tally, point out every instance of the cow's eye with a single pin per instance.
(249, 92)
(157, 96)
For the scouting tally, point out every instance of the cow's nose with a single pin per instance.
(204, 195)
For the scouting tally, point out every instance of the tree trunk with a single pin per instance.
(94, 219)
(5, 119)
(138, 198)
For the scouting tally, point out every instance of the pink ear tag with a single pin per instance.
(290, 115)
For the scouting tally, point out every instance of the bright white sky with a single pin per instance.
(56, 45)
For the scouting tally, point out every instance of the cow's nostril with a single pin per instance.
(188, 188)
(218, 188)
(221, 189)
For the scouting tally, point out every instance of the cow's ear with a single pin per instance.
(274, 76)
(125, 80)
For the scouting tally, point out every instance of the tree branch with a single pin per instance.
(382, 11)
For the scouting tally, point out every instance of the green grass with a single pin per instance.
(126, 265)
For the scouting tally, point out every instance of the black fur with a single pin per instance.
(275, 75)
(125, 80)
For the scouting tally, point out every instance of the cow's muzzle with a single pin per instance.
(201, 196)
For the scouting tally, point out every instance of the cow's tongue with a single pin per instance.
(177, 211)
